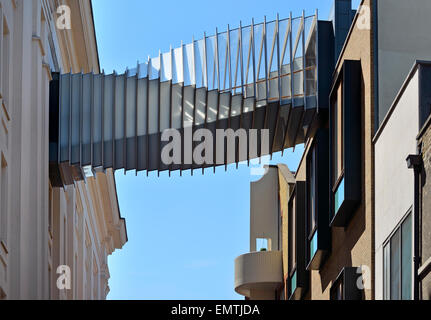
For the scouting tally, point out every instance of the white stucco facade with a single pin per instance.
(37, 232)
(394, 182)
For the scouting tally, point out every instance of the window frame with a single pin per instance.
(292, 231)
(345, 285)
(312, 219)
(346, 169)
(297, 268)
(387, 260)
(318, 233)
(337, 289)
(337, 133)
(4, 200)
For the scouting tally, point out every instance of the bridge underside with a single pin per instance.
(268, 81)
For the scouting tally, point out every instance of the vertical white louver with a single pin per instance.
(241, 78)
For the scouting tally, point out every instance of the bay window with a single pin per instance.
(297, 273)
(317, 202)
(345, 143)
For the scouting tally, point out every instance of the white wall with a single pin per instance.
(264, 216)
(394, 192)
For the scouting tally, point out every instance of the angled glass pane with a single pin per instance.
(223, 60)
(396, 266)
(293, 283)
(272, 60)
(247, 58)
(235, 61)
(65, 97)
(387, 272)
(407, 259)
(311, 55)
(189, 77)
(166, 67)
(339, 197)
(259, 51)
(285, 51)
(200, 63)
(154, 68)
(259, 48)
(143, 70)
(284, 41)
(271, 48)
(313, 246)
(178, 66)
(297, 54)
(211, 62)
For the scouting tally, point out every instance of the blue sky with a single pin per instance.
(184, 232)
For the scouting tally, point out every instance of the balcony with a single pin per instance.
(258, 274)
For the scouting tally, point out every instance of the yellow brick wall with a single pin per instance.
(354, 245)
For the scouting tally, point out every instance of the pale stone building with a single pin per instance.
(49, 217)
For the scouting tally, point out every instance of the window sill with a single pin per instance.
(317, 255)
(343, 207)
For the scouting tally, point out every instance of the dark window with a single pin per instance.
(337, 290)
(318, 236)
(345, 143)
(311, 204)
(292, 244)
(398, 263)
(337, 133)
(337, 149)
(298, 275)
(347, 285)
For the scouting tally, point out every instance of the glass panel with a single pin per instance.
(259, 51)
(235, 61)
(339, 197)
(297, 52)
(312, 195)
(272, 60)
(211, 62)
(284, 41)
(387, 272)
(313, 246)
(154, 68)
(293, 283)
(189, 78)
(247, 55)
(271, 47)
(200, 63)
(177, 68)
(143, 70)
(310, 56)
(292, 234)
(395, 265)
(166, 67)
(285, 48)
(407, 260)
(334, 138)
(223, 61)
(293, 231)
